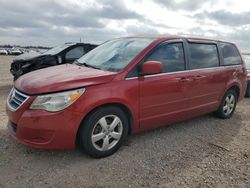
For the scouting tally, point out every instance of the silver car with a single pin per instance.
(3, 52)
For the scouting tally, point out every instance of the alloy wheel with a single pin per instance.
(107, 132)
(229, 104)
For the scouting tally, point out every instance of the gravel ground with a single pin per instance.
(202, 152)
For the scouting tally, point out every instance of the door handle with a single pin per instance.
(182, 79)
(198, 77)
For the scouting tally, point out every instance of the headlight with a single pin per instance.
(56, 101)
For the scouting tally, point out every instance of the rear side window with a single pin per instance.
(203, 55)
(171, 56)
(230, 54)
(75, 53)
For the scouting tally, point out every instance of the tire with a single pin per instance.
(103, 131)
(248, 91)
(228, 105)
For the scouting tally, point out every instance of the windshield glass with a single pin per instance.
(247, 61)
(114, 55)
(56, 49)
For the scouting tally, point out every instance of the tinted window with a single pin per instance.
(75, 53)
(230, 54)
(171, 56)
(203, 55)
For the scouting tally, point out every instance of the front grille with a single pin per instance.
(16, 99)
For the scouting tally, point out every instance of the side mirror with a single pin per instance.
(151, 67)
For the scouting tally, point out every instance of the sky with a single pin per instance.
(53, 22)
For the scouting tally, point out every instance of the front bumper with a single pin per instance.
(42, 129)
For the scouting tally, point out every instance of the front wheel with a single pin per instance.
(228, 105)
(103, 131)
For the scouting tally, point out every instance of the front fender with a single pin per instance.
(124, 93)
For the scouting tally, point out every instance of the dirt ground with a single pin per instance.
(202, 152)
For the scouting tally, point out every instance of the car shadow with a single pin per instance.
(207, 129)
(168, 149)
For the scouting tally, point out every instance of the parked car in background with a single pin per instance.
(66, 53)
(3, 52)
(247, 61)
(123, 86)
(15, 52)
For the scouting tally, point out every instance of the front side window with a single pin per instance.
(203, 55)
(75, 53)
(171, 56)
(230, 54)
(114, 55)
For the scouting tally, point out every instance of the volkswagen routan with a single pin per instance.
(125, 86)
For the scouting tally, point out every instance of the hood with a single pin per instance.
(62, 77)
(28, 56)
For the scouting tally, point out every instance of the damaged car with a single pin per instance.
(66, 53)
(3, 52)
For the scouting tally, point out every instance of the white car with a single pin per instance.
(15, 52)
(3, 52)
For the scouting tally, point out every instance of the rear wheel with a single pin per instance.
(248, 90)
(103, 131)
(228, 105)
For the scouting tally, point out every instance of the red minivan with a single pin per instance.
(125, 86)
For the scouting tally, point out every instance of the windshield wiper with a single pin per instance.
(91, 66)
(76, 62)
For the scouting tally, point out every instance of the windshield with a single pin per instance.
(247, 61)
(56, 49)
(114, 55)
